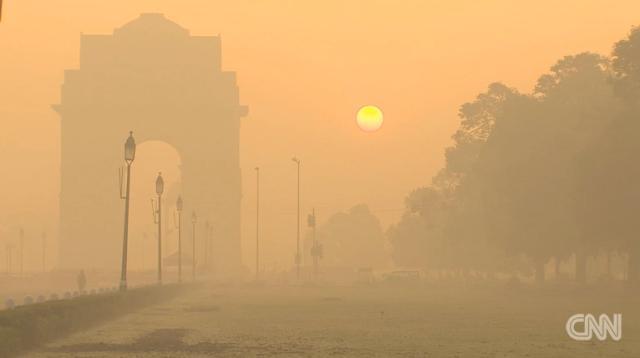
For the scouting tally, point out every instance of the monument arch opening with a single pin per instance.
(152, 157)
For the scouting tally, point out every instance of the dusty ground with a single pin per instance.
(360, 322)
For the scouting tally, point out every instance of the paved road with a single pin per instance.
(357, 322)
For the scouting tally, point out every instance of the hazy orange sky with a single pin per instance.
(304, 68)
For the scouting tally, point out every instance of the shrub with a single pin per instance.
(27, 327)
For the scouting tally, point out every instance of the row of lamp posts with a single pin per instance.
(297, 257)
(21, 254)
(129, 156)
(316, 249)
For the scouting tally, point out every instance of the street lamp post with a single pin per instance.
(129, 156)
(316, 249)
(297, 161)
(194, 220)
(44, 251)
(257, 223)
(21, 252)
(9, 251)
(157, 216)
(179, 205)
(211, 252)
(206, 245)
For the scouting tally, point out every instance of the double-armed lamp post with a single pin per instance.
(157, 216)
(129, 156)
(179, 205)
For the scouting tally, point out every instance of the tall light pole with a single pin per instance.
(179, 205)
(157, 218)
(21, 252)
(206, 244)
(316, 249)
(211, 260)
(257, 223)
(9, 250)
(129, 156)
(194, 220)
(297, 161)
(44, 251)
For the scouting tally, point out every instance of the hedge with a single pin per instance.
(27, 327)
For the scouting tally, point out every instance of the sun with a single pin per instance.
(369, 118)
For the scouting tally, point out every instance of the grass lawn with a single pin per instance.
(382, 321)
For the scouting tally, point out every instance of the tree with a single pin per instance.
(472, 228)
(610, 168)
(477, 120)
(625, 60)
(353, 239)
(417, 240)
(431, 233)
(527, 174)
(546, 174)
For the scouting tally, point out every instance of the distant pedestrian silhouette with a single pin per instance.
(82, 280)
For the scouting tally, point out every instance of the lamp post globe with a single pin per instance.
(159, 184)
(179, 204)
(130, 149)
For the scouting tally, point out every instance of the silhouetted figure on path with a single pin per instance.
(82, 280)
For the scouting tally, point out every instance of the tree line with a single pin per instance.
(539, 177)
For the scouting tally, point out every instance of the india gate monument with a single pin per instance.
(155, 79)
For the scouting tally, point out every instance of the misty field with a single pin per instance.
(382, 321)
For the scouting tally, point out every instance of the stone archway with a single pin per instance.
(152, 77)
